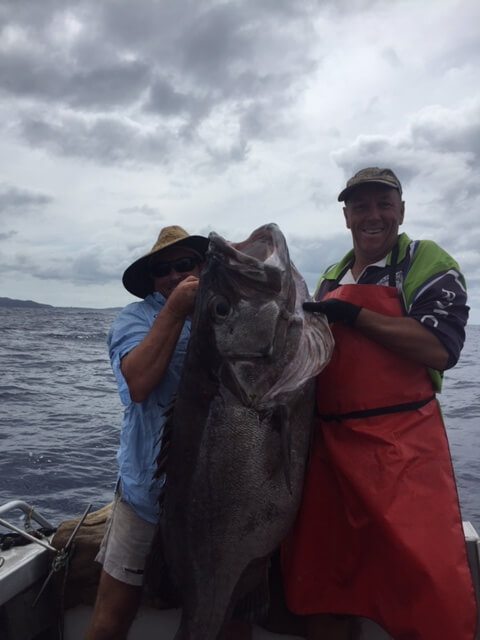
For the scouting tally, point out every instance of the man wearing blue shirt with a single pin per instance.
(147, 345)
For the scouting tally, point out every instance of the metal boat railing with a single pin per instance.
(28, 510)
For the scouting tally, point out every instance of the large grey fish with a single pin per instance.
(241, 426)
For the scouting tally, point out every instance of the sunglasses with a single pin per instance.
(182, 265)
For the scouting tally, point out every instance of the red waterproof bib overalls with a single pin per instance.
(379, 532)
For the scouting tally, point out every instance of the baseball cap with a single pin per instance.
(371, 174)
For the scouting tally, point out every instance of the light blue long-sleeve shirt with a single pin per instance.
(143, 422)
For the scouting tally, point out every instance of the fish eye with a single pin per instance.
(220, 308)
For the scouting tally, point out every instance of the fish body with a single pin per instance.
(241, 426)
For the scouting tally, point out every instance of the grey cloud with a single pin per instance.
(435, 137)
(145, 209)
(462, 52)
(465, 241)
(19, 263)
(232, 153)
(199, 37)
(7, 235)
(256, 122)
(215, 37)
(110, 84)
(377, 151)
(128, 27)
(343, 7)
(88, 267)
(234, 49)
(167, 101)
(114, 141)
(227, 57)
(178, 62)
(391, 56)
(313, 255)
(466, 254)
(208, 44)
(20, 201)
(27, 12)
(115, 84)
(452, 136)
(107, 140)
(449, 131)
(23, 75)
(256, 103)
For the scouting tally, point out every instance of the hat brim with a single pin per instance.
(137, 279)
(348, 190)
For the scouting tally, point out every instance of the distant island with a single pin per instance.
(31, 304)
(10, 302)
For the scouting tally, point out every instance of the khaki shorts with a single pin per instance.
(126, 544)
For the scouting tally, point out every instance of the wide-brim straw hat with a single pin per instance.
(137, 279)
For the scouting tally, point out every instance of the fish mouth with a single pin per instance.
(262, 260)
(266, 245)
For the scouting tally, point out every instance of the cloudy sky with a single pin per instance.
(119, 117)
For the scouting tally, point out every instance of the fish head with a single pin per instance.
(248, 319)
(247, 295)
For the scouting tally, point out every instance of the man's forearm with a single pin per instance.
(145, 366)
(405, 336)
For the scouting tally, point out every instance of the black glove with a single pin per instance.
(335, 310)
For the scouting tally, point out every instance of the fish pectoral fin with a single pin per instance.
(158, 583)
(254, 604)
(282, 418)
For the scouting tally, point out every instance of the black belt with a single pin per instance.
(379, 411)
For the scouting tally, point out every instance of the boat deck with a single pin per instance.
(23, 570)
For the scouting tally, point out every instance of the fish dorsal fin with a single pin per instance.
(165, 439)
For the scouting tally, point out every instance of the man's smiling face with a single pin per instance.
(373, 214)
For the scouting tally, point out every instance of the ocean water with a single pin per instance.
(60, 414)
